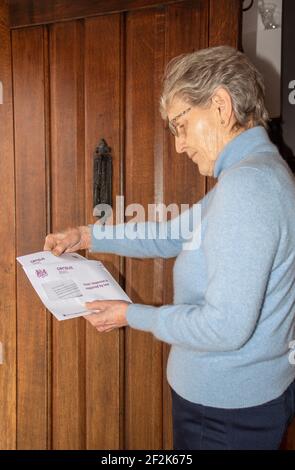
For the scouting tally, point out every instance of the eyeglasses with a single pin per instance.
(171, 124)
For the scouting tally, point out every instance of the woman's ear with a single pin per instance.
(222, 102)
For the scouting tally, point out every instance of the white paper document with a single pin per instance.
(66, 282)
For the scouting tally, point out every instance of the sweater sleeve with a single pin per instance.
(146, 239)
(240, 245)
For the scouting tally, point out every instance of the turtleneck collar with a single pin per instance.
(254, 140)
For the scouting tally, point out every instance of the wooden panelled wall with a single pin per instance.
(63, 385)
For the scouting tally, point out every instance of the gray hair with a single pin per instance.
(194, 78)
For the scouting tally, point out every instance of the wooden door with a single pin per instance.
(74, 82)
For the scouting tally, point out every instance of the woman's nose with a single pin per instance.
(180, 143)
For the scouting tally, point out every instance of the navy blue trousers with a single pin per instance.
(197, 427)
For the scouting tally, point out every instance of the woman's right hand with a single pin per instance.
(68, 241)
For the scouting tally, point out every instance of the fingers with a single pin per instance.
(68, 245)
(59, 243)
(73, 248)
(59, 248)
(94, 319)
(50, 242)
(103, 329)
(108, 313)
(100, 322)
(56, 243)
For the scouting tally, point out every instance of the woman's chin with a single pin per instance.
(205, 171)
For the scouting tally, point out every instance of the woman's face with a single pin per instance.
(201, 133)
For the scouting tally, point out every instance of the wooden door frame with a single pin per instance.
(7, 243)
(33, 12)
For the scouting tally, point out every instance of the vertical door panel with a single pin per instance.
(144, 159)
(67, 209)
(224, 22)
(30, 163)
(7, 243)
(103, 108)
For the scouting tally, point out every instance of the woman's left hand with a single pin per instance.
(111, 314)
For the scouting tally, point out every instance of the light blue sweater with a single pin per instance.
(234, 296)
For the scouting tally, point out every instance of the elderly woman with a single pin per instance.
(232, 321)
